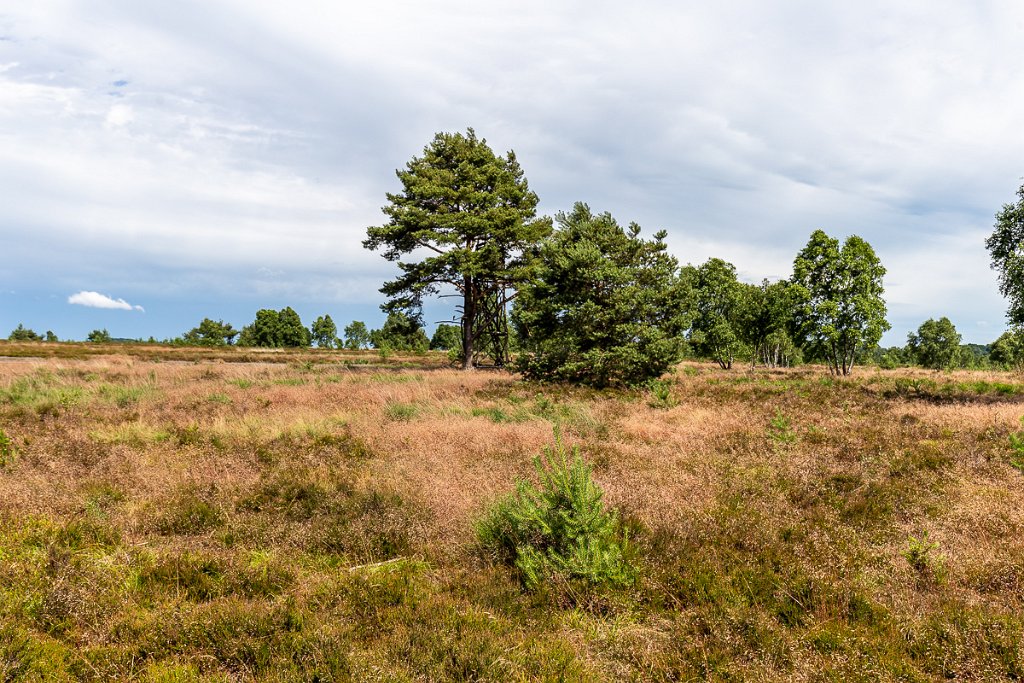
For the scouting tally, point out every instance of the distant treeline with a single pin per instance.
(935, 345)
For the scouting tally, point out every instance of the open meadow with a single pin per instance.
(187, 514)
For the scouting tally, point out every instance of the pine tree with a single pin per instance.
(470, 218)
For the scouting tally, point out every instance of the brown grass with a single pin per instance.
(309, 465)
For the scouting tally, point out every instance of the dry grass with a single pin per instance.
(172, 514)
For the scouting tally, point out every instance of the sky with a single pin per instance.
(164, 162)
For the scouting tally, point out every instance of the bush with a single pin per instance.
(7, 450)
(1017, 449)
(21, 333)
(559, 531)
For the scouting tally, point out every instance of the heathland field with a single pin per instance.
(179, 515)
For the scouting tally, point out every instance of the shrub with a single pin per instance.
(400, 412)
(780, 430)
(22, 333)
(7, 450)
(559, 531)
(923, 557)
(1017, 448)
(661, 393)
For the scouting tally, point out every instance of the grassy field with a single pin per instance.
(180, 515)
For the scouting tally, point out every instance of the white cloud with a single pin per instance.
(147, 142)
(97, 300)
(120, 115)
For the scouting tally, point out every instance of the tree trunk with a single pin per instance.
(468, 318)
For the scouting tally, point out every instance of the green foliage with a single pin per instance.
(446, 338)
(840, 308)
(324, 333)
(719, 303)
(22, 334)
(974, 356)
(560, 531)
(766, 323)
(99, 336)
(210, 333)
(936, 344)
(891, 358)
(1017, 448)
(7, 450)
(780, 430)
(606, 307)
(400, 333)
(28, 656)
(50, 336)
(1008, 350)
(475, 214)
(1006, 246)
(275, 329)
(293, 334)
(400, 412)
(356, 335)
(661, 393)
(923, 557)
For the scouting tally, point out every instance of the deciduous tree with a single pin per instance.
(356, 335)
(400, 333)
(936, 344)
(275, 329)
(1006, 246)
(1008, 350)
(719, 302)
(767, 323)
(445, 337)
(211, 333)
(840, 310)
(324, 332)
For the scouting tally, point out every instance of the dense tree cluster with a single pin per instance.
(605, 307)
(23, 334)
(210, 333)
(594, 302)
(400, 333)
(275, 329)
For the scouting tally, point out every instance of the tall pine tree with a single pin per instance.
(469, 219)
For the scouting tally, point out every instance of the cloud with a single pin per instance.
(97, 300)
(739, 127)
(120, 115)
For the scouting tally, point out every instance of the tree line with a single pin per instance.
(583, 299)
(285, 329)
